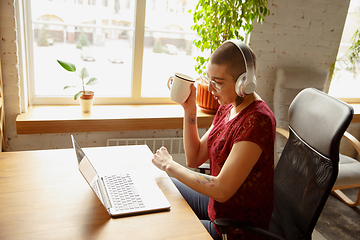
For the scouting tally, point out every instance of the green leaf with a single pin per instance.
(79, 94)
(202, 60)
(67, 66)
(67, 86)
(92, 81)
(84, 73)
(266, 12)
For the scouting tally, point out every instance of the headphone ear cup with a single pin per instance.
(250, 86)
(239, 85)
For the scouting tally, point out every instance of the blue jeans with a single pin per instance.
(199, 204)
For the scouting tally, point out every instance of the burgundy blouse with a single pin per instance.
(253, 202)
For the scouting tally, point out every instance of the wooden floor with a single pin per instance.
(339, 221)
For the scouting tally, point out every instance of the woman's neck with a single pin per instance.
(241, 103)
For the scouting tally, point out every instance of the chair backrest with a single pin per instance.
(308, 166)
(289, 82)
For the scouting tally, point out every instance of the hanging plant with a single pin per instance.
(351, 58)
(218, 21)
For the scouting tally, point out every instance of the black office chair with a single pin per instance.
(307, 168)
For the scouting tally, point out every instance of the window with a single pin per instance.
(345, 84)
(131, 46)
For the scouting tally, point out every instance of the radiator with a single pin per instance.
(174, 145)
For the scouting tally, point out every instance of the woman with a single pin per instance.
(239, 145)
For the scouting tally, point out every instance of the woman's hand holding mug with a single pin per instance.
(180, 87)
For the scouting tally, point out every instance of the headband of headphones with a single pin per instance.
(246, 83)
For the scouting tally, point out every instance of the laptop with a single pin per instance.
(121, 193)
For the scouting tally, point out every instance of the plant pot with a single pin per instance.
(86, 101)
(205, 100)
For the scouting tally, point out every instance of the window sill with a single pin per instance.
(66, 119)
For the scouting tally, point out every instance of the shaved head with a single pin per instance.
(228, 54)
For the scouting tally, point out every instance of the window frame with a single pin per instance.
(349, 100)
(26, 67)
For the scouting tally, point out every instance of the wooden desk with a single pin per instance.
(44, 196)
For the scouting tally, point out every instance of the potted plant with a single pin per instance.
(230, 17)
(86, 97)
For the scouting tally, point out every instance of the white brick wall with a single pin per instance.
(9, 65)
(298, 33)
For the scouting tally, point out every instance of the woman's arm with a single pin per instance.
(195, 148)
(237, 167)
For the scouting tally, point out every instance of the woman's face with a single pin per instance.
(219, 74)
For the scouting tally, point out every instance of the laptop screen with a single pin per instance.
(85, 166)
(87, 170)
(79, 152)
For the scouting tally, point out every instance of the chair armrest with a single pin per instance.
(282, 131)
(353, 141)
(225, 223)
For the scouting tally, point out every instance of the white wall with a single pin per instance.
(298, 33)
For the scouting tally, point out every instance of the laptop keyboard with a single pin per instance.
(96, 189)
(123, 193)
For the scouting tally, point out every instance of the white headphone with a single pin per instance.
(246, 82)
